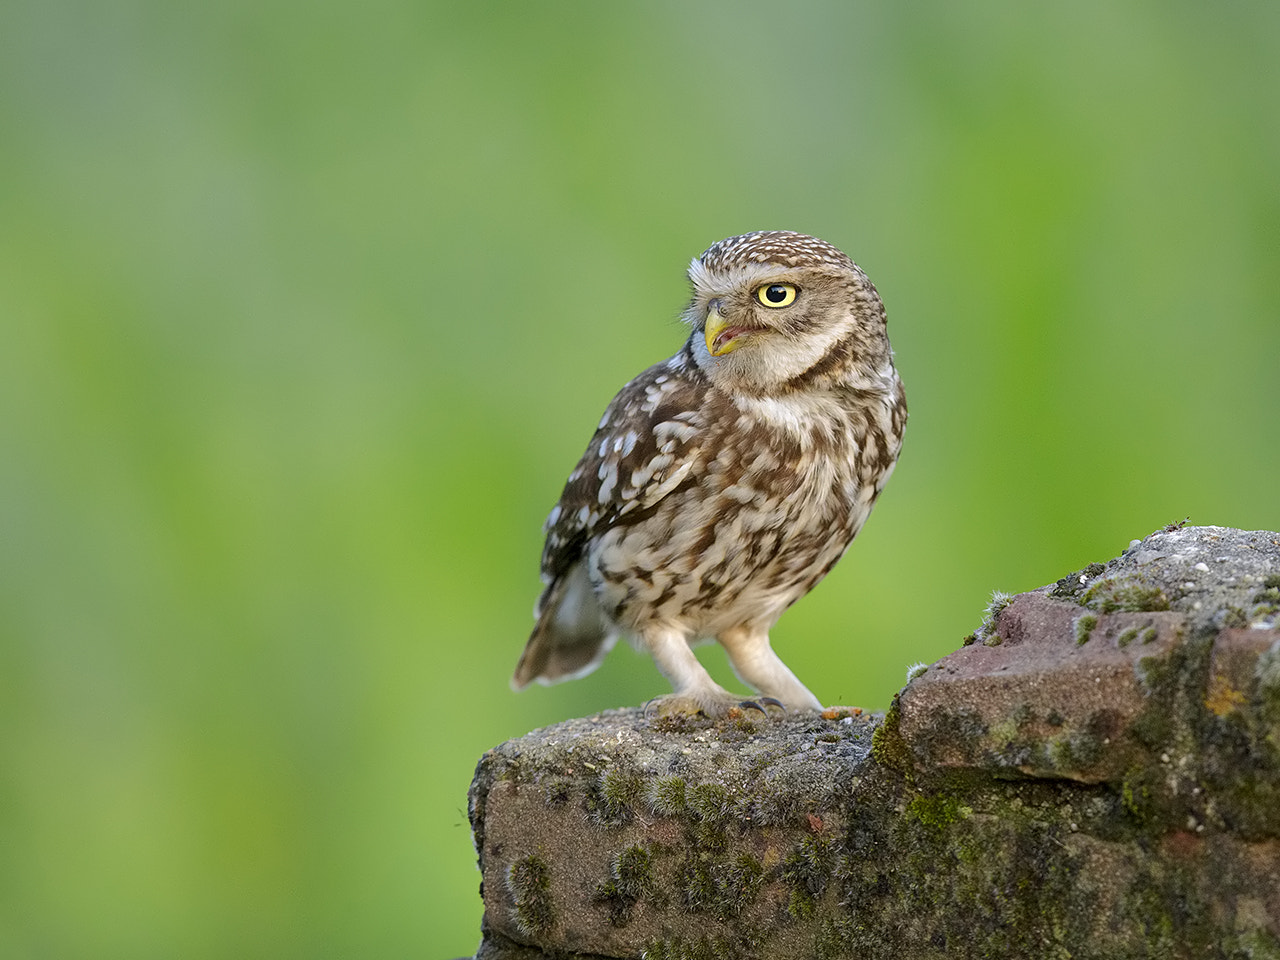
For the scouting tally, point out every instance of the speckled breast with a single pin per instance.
(761, 521)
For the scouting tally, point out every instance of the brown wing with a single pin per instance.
(648, 444)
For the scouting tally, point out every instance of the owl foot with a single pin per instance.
(714, 706)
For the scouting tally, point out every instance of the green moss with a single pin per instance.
(710, 802)
(1073, 585)
(810, 866)
(667, 796)
(1234, 617)
(679, 723)
(999, 600)
(986, 632)
(1148, 634)
(1004, 733)
(529, 883)
(697, 885)
(621, 787)
(887, 746)
(936, 811)
(680, 949)
(630, 880)
(557, 791)
(1009, 869)
(614, 796)
(801, 904)
(1084, 627)
(1267, 670)
(744, 946)
(742, 723)
(834, 939)
(741, 884)
(1155, 672)
(633, 870)
(1130, 596)
(1127, 636)
(1258, 944)
(721, 886)
(1073, 751)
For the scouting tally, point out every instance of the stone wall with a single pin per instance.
(1096, 773)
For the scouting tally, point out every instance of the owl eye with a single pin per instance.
(777, 295)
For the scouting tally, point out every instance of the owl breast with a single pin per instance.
(775, 498)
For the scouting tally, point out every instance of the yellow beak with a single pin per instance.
(716, 325)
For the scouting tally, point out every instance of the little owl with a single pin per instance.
(723, 483)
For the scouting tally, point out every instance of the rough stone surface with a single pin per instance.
(1095, 774)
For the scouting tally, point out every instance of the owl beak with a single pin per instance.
(721, 338)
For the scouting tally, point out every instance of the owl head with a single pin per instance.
(776, 311)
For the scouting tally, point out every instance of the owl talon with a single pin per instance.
(673, 705)
(713, 706)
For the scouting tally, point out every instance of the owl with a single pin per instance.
(722, 484)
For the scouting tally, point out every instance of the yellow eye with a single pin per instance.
(777, 295)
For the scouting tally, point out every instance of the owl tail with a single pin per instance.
(572, 635)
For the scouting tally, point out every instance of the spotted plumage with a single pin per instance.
(722, 484)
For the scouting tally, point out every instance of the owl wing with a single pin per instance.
(646, 446)
(649, 443)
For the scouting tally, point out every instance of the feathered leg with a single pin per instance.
(755, 663)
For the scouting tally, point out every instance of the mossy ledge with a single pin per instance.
(1034, 796)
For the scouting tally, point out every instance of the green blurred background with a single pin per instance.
(306, 310)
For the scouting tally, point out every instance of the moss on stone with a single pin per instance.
(810, 868)
(720, 886)
(739, 947)
(666, 796)
(1073, 585)
(529, 883)
(1008, 870)
(617, 792)
(1267, 672)
(887, 745)
(1084, 626)
(631, 879)
(711, 803)
(987, 630)
(1125, 595)
(1269, 595)
(936, 811)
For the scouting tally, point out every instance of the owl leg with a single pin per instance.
(694, 690)
(756, 664)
